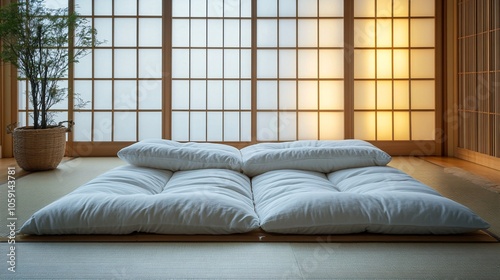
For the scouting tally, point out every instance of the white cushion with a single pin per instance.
(175, 156)
(137, 199)
(321, 156)
(368, 199)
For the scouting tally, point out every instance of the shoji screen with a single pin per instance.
(479, 80)
(300, 70)
(211, 70)
(394, 69)
(121, 78)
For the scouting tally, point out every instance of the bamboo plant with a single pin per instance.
(35, 39)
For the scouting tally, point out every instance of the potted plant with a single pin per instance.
(35, 39)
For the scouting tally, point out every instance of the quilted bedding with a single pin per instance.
(302, 187)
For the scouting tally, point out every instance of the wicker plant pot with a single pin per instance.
(39, 149)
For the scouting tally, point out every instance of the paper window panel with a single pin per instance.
(103, 93)
(308, 95)
(423, 8)
(267, 126)
(384, 8)
(267, 33)
(287, 8)
(198, 8)
(180, 126)
(232, 126)
(83, 93)
(307, 33)
(287, 95)
(150, 95)
(197, 126)
(267, 64)
(308, 125)
(198, 96)
(401, 124)
(125, 96)
(287, 33)
(232, 95)
(215, 63)
(215, 33)
(125, 63)
(329, 66)
(331, 95)
(384, 64)
(83, 7)
(214, 95)
(83, 131)
(331, 33)
(103, 7)
(180, 95)
(245, 126)
(126, 8)
(331, 125)
(307, 8)
(400, 33)
(364, 64)
(423, 95)
(105, 31)
(232, 64)
(150, 63)
(124, 126)
(420, 128)
(364, 95)
(287, 126)
(214, 126)
(83, 69)
(198, 33)
(364, 33)
(384, 33)
(384, 95)
(287, 64)
(149, 125)
(308, 64)
(384, 126)
(401, 8)
(180, 67)
(150, 32)
(125, 32)
(401, 95)
(364, 125)
(103, 63)
(150, 7)
(422, 32)
(103, 127)
(197, 63)
(422, 64)
(331, 8)
(364, 8)
(267, 8)
(267, 92)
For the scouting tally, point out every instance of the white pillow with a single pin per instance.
(321, 156)
(175, 156)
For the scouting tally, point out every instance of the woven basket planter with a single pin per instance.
(39, 149)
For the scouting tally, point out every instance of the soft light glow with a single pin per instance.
(394, 69)
(364, 125)
(384, 125)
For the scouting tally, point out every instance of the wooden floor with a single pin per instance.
(6, 163)
(479, 170)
